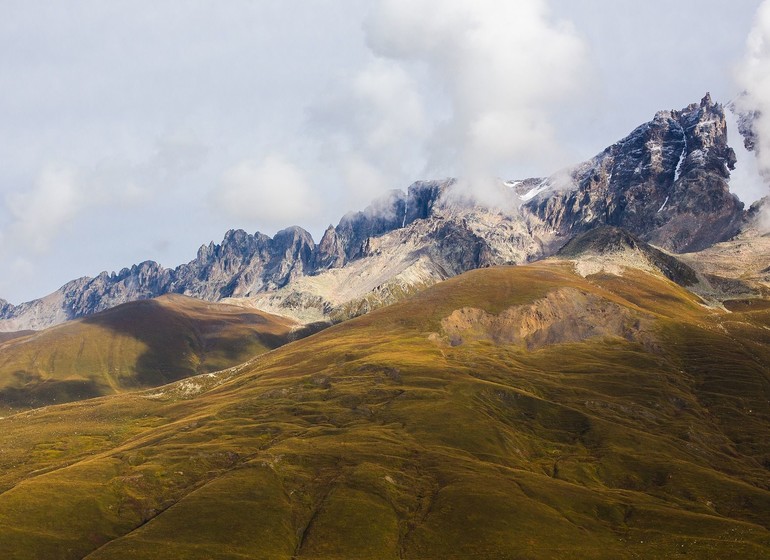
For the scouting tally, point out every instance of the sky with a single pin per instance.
(140, 130)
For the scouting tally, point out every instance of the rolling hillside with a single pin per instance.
(135, 345)
(511, 412)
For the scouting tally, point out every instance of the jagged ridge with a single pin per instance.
(667, 183)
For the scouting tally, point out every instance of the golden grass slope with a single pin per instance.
(389, 437)
(139, 344)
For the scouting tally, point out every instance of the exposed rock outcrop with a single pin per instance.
(667, 182)
(330, 252)
(564, 315)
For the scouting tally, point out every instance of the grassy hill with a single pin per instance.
(509, 413)
(140, 344)
(6, 336)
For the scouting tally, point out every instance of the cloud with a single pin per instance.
(503, 67)
(753, 78)
(746, 179)
(64, 193)
(271, 192)
(371, 130)
(39, 214)
(471, 88)
(178, 155)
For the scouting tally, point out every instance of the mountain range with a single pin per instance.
(580, 370)
(667, 182)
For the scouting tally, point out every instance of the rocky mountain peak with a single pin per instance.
(206, 251)
(293, 235)
(423, 197)
(384, 214)
(291, 256)
(239, 242)
(330, 252)
(666, 182)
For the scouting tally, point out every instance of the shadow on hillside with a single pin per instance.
(48, 392)
(178, 343)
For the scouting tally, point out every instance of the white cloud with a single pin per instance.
(272, 192)
(502, 65)
(388, 106)
(63, 194)
(470, 88)
(39, 214)
(371, 130)
(746, 179)
(365, 180)
(753, 78)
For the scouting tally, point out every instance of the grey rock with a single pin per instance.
(667, 182)
(330, 252)
(383, 215)
(606, 240)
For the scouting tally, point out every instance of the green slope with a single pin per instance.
(139, 344)
(625, 421)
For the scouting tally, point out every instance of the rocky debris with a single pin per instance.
(611, 241)
(564, 315)
(734, 268)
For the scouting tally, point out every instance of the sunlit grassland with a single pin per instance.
(378, 439)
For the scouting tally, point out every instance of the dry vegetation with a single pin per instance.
(140, 344)
(385, 437)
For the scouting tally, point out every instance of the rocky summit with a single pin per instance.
(667, 183)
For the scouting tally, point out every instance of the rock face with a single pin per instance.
(564, 315)
(667, 183)
(393, 211)
(330, 252)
